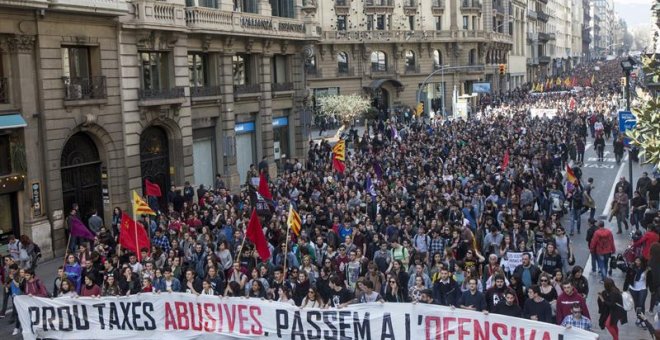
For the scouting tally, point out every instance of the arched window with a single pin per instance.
(437, 59)
(410, 60)
(378, 61)
(473, 56)
(342, 63)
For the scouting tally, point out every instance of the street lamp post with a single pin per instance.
(440, 70)
(627, 65)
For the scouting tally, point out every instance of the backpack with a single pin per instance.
(628, 303)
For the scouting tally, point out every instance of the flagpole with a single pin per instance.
(66, 251)
(286, 242)
(137, 245)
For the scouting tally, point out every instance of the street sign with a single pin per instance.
(627, 122)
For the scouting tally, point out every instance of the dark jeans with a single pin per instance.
(15, 314)
(639, 297)
(5, 298)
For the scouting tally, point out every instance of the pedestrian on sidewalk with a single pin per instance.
(621, 201)
(602, 244)
(610, 307)
(636, 284)
(590, 234)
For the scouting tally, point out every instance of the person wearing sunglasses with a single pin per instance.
(576, 319)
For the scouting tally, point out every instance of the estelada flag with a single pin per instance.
(152, 189)
(570, 175)
(264, 191)
(505, 160)
(293, 221)
(141, 207)
(133, 236)
(339, 156)
(255, 234)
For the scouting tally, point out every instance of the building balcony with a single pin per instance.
(358, 37)
(282, 87)
(313, 72)
(543, 16)
(27, 4)
(532, 61)
(84, 88)
(4, 91)
(205, 91)
(531, 13)
(247, 89)
(470, 6)
(544, 37)
(532, 36)
(543, 1)
(412, 69)
(552, 36)
(438, 7)
(212, 20)
(345, 72)
(153, 14)
(378, 6)
(98, 7)
(544, 60)
(166, 96)
(342, 7)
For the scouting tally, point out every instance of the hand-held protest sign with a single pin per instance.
(185, 316)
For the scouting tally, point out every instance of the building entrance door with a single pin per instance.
(81, 176)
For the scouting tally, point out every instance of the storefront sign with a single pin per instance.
(186, 316)
(244, 127)
(36, 198)
(258, 23)
(280, 122)
(291, 27)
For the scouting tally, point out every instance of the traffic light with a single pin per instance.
(502, 68)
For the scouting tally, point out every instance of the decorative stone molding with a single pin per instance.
(20, 43)
(157, 40)
(267, 44)
(229, 44)
(206, 42)
(249, 44)
(284, 46)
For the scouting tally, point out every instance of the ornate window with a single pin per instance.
(437, 59)
(342, 63)
(378, 61)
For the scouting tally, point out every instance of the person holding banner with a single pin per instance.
(536, 308)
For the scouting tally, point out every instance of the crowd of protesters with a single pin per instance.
(425, 212)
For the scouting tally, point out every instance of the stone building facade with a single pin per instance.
(98, 95)
(387, 48)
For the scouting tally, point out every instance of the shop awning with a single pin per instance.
(379, 82)
(12, 121)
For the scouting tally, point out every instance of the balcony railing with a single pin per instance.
(378, 4)
(313, 72)
(543, 16)
(32, 4)
(532, 61)
(409, 4)
(84, 88)
(404, 36)
(4, 91)
(531, 13)
(282, 87)
(342, 3)
(532, 36)
(345, 71)
(412, 69)
(544, 36)
(247, 89)
(167, 93)
(104, 7)
(470, 5)
(544, 60)
(205, 91)
(438, 4)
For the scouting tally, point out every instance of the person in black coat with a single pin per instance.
(446, 289)
(508, 306)
(610, 307)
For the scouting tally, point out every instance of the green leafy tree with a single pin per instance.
(646, 134)
(345, 108)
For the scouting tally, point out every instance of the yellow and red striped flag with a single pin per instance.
(293, 221)
(140, 207)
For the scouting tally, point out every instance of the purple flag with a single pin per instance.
(378, 170)
(78, 229)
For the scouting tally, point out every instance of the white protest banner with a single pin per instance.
(511, 260)
(180, 316)
(543, 113)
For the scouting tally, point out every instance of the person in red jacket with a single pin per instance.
(567, 299)
(602, 244)
(650, 237)
(90, 288)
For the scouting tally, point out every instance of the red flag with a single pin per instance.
(338, 165)
(263, 187)
(132, 236)
(505, 160)
(570, 175)
(255, 234)
(151, 189)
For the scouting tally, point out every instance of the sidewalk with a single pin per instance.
(628, 331)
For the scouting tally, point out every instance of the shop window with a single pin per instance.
(8, 216)
(5, 155)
